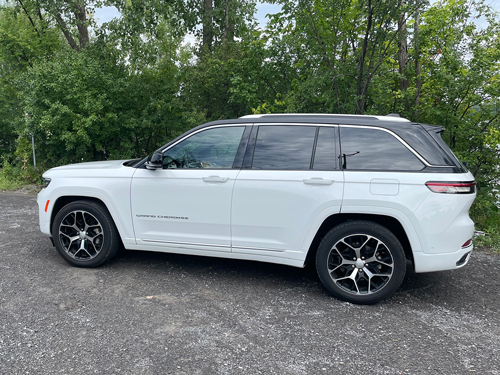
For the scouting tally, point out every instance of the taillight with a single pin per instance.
(452, 187)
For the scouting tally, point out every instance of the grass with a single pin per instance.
(15, 178)
(9, 185)
(490, 240)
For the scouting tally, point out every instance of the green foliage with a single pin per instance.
(486, 216)
(73, 103)
(9, 113)
(13, 177)
(86, 106)
(20, 47)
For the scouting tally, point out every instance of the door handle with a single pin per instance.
(317, 181)
(215, 179)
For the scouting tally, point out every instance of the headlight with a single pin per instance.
(46, 182)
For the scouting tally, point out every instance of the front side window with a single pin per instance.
(373, 149)
(213, 148)
(284, 147)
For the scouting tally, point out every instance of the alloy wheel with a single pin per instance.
(81, 235)
(360, 264)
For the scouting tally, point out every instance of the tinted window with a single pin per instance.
(372, 149)
(423, 143)
(284, 147)
(212, 148)
(437, 136)
(325, 156)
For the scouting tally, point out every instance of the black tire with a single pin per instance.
(361, 262)
(88, 222)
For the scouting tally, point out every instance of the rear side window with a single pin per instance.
(284, 147)
(376, 150)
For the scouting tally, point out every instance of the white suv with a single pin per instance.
(359, 195)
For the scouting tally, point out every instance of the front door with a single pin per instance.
(188, 202)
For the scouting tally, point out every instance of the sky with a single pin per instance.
(106, 14)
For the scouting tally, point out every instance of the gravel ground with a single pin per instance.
(151, 313)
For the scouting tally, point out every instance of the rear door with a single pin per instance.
(290, 182)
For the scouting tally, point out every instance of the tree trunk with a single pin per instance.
(403, 56)
(29, 17)
(64, 29)
(81, 22)
(229, 25)
(207, 25)
(360, 92)
(403, 51)
(418, 82)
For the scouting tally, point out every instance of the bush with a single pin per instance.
(15, 176)
(486, 215)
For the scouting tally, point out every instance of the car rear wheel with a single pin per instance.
(361, 262)
(84, 234)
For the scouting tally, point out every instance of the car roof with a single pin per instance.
(391, 122)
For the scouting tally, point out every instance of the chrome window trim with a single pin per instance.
(417, 155)
(412, 150)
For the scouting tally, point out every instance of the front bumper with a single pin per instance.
(44, 210)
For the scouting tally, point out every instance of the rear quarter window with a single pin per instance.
(425, 144)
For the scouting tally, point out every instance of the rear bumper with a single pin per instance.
(441, 262)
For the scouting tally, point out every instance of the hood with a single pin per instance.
(108, 164)
(91, 166)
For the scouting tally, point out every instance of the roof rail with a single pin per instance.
(393, 117)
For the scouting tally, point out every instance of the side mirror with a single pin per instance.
(156, 162)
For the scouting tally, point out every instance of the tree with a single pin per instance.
(221, 21)
(23, 42)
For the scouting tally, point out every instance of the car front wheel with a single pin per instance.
(84, 234)
(361, 262)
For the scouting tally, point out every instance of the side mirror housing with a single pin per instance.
(156, 161)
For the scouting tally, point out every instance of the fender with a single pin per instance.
(113, 193)
(403, 218)
(398, 215)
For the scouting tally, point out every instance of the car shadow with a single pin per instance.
(244, 270)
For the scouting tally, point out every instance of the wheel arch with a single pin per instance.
(391, 223)
(67, 199)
